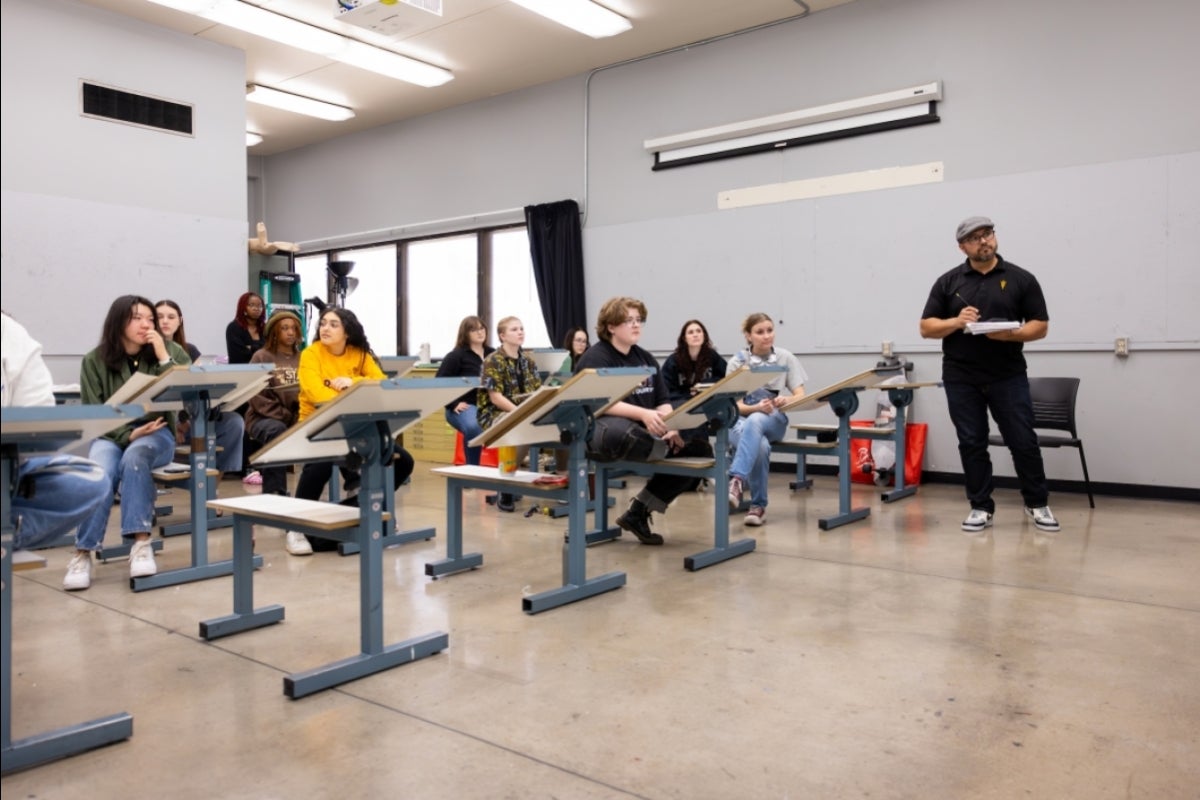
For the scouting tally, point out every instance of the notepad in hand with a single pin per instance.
(991, 327)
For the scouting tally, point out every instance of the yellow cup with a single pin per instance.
(506, 460)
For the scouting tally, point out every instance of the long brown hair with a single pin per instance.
(465, 327)
(694, 371)
(180, 338)
(112, 348)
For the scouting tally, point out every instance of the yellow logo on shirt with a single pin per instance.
(1002, 285)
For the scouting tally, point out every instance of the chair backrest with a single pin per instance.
(1054, 403)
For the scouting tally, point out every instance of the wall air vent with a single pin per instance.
(105, 102)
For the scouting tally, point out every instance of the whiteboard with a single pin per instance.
(1113, 246)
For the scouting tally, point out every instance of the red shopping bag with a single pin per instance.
(863, 466)
(487, 458)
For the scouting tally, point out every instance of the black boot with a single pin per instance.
(636, 520)
(506, 502)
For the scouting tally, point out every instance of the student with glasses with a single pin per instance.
(987, 372)
(633, 429)
(466, 361)
(244, 335)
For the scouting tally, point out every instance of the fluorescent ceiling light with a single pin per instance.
(297, 103)
(303, 36)
(253, 138)
(915, 105)
(581, 15)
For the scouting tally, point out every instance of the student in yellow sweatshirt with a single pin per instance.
(339, 358)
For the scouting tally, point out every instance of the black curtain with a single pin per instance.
(556, 245)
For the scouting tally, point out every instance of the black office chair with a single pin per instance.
(1054, 410)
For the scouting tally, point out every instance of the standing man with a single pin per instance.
(986, 372)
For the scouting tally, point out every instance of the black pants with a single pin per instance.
(621, 439)
(315, 476)
(274, 479)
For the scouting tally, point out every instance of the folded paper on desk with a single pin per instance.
(991, 327)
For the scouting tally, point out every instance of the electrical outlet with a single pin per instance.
(886, 349)
(1122, 346)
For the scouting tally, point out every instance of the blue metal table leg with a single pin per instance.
(844, 403)
(244, 617)
(454, 561)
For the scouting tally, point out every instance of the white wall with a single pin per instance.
(95, 209)
(1071, 123)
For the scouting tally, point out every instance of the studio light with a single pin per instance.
(581, 15)
(297, 104)
(303, 36)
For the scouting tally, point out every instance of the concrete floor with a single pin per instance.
(892, 658)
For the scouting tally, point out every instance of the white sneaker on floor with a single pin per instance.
(79, 572)
(1043, 518)
(141, 560)
(756, 516)
(297, 544)
(977, 520)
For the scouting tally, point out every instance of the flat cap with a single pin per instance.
(970, 225)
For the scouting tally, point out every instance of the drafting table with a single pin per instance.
(361, 422)
(33, 430)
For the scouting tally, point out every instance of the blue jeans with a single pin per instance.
(54, 495)
(750, 439)
(1012, 408)
(230, 428)
(129, 470)
(466, 422)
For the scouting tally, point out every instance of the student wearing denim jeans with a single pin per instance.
(761, 422)
(130, 342)
(466, 361)
(987, 372)
(54, 493)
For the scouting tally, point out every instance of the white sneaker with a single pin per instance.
(1043, 518)
(756, 516)
(141, 560)
(79, 572)
(297, 544)
(977, 520)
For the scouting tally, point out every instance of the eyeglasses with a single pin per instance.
(976, 238)
(635, 321)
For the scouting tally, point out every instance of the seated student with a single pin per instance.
(633, 429)
(509, 376)
(466, 361)
(244, 334)
(53, 493)
(229, 428)
(340, 358)
(576, 343)
(130, 342)
(274, 409)
(695, 361)
(761, 421)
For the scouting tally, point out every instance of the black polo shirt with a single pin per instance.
(1007, 292)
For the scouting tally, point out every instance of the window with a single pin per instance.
(487, 273)
(514, 290)
(441, 287)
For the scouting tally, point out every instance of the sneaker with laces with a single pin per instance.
(79, 572)
(297, 544)
(1043, 518)
(636, 520)
(736, 487)
(141, 560)
(977, 520)
(756, 516)
(253, 478)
